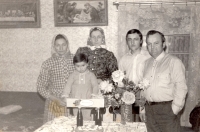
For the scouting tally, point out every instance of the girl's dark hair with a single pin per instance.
(80, 57)
(132, 31)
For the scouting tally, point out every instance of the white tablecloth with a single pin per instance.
(68, 124)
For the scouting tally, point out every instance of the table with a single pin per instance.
(68, 124)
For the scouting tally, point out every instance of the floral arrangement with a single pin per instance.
(119, 90)
(144, 84)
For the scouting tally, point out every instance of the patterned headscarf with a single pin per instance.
(53, 51)
(89, 42)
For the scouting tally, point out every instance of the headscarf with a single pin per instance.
(53, 51)
(89, 43)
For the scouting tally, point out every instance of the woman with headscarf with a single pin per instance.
(53, 77)
(101, 61)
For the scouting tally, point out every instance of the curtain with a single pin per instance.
(169, 20)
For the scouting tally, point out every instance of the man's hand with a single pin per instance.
(142, 117)
(175, 109)
(142, 114)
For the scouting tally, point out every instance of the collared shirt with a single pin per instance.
(166, 74)
(99, 46)
(130, 63)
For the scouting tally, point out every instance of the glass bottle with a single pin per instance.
(98, 118)
(79, 118)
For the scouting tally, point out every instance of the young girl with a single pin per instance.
(81, 83)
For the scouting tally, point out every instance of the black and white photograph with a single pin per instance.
(99, 66)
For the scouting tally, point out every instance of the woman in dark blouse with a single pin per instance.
(101, 61)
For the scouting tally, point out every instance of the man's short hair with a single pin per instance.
(152, 32)
(132, 31)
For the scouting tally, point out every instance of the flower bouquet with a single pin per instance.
(120, 92)
(125, 90)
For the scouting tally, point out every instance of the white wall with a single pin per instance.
(23, 50)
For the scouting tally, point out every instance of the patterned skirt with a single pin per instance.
(53, 109)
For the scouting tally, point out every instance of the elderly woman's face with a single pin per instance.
(61, 46)
(96, 38)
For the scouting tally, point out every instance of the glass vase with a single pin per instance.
(107, 116)
(126, 113)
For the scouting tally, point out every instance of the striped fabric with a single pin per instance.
(53, 110)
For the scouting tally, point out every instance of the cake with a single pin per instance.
(89, 128)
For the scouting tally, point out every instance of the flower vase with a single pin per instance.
(126, 113)
(107, 116)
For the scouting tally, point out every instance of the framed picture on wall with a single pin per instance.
(19, 13)
(81, 12)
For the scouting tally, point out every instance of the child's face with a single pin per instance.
(81, 66)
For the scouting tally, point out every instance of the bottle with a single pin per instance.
(79, 118)
(113, 110)
(98, 118)
(114, 117)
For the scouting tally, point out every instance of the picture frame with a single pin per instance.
(20, 14)
(80, 13)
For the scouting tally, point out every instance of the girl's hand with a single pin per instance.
(63, 101)
(93, 96)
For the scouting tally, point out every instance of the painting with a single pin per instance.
(19, 13)
(81, 13)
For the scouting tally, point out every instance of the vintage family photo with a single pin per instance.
(99, 66)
